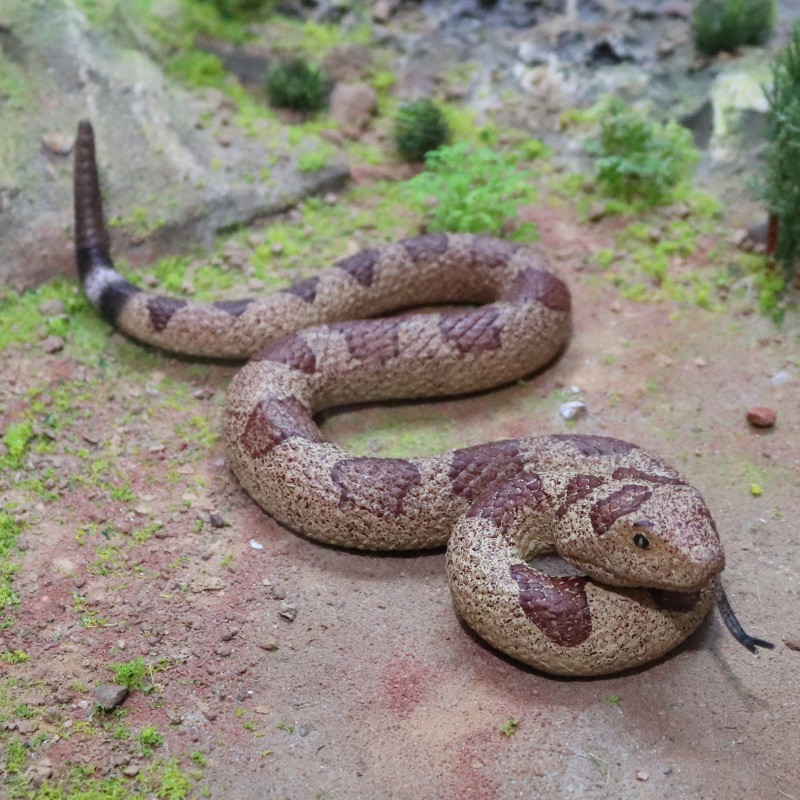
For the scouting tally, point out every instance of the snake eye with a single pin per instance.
(640, 540)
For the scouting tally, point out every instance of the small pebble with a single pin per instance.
(59, 143)
(108, 695)
(642, 775)
(256, 545)
(217, 520)
(53, 344)
(229, 634)
(51, 308)
(223, 650)
(268, 643)
(573, 409)
(762, 416)
(597, 212)
(288, 610)
(700, 362)
(276, 249)
(793, 643)
(781, 378)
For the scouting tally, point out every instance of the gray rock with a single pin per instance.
(353, 105)
(572, 409)
(53, 344)
(532, 55)
(108, 695)
(51, 308)
(169, 192)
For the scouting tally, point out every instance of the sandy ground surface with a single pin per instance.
(374, 689)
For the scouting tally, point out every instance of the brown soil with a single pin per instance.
(375, 689)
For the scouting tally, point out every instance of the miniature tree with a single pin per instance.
(782, 190)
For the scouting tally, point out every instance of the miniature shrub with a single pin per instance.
(474, 190)
(296, 84)
(725, 25)
(782, 189)
(638, 158)
(131, 674)
(419, 128)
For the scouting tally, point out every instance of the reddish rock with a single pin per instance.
(762, 417)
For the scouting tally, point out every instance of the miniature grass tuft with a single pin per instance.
(725, 25)
(419, 128)
(131, 674)
(296, 84)
(469, 190)
(9, 531)
(637, 158)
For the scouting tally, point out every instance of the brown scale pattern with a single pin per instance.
(361, 266)
(540, 286)
(499, 505)
(579, 488)
(306, 290)
(474, 469)
(273, 421)
(372, 340)
(160, 310)
(596, 445)
(292, 350)
(472, 331)
(558, 606)
(491, 253)
(604, 513)
(233, 307)
(377, 485)
(421, 248)
(632, 473)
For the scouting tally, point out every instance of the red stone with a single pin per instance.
(762, 417)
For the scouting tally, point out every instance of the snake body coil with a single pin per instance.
(642, 540)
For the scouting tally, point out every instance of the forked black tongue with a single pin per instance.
(733, 625)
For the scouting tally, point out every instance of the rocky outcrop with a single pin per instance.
(176, 166)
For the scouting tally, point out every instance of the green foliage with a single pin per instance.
(16, 439)
(509, 727)
(475, 190)
(174, 784)
(9, 531)
(131, 674)
(197, 68)
(296, 84)
(243, 8)
(316, 159)
(725, 25)
(782, 190)
(638, 158)
(419, 128)
(14, 656)
(149, 738)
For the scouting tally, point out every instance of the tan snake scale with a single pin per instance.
(644, 545)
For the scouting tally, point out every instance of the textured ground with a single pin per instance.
(374, 689)
(273, 667)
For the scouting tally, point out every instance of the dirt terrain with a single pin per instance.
(298, 670)
(264, 665)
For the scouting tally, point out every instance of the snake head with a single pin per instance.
(659, 537)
